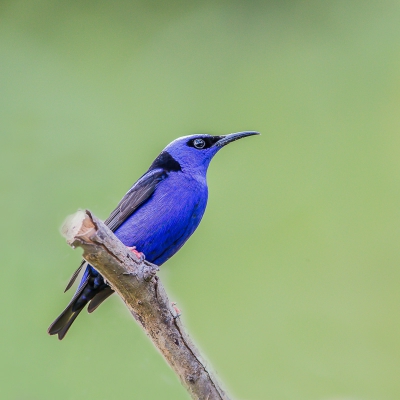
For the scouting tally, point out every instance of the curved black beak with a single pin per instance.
(234, 136)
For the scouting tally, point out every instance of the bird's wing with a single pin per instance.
(75, 275)
(133, 199)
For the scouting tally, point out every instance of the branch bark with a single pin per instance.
(137, 284)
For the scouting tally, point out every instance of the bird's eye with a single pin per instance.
(199, 143)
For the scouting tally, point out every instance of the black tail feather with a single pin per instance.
(92, 290)
(67, 317)
(74, 276)
(99, 298)
(64, 320)
(68, 324)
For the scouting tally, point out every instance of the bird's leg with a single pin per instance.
(177, 310)
(138, 254)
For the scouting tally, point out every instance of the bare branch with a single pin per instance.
(139, 287)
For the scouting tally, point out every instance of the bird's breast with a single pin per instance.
(162, 225)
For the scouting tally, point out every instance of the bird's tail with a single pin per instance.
(88, 291)
(64, 321)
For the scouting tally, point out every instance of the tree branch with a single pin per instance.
(139, 287)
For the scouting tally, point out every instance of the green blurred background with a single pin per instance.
(291, 284)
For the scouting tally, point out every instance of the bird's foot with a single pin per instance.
(177, 310)
(138, 254)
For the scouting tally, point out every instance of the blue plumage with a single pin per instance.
(157, 215)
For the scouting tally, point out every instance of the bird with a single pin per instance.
(156, 216)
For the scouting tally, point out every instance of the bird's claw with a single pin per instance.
(177, 310)
(138, 254)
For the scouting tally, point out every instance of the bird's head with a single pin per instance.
(193, 153)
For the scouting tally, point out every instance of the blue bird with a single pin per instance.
(157, 215)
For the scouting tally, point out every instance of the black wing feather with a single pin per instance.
(135, 197)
